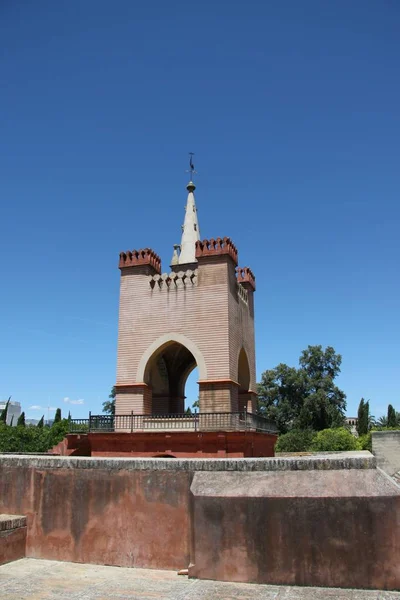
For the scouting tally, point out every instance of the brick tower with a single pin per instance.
(200, 314)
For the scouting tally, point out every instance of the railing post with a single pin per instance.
(195, 419)
(90, 420)
(245, 420)
(131, 421)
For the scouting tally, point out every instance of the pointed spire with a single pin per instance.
(190, 229)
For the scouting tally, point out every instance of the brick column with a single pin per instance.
(136, 398)
(218, 395)
(247, 401)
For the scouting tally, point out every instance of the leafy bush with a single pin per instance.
(334, 440)
(297, 440)
(31, 439)
(365, 442)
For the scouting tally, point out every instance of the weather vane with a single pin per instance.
(191, 166)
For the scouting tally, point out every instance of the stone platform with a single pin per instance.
(30, 579)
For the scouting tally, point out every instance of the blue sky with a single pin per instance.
(292, 109)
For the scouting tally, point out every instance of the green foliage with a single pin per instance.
(3, 414)
(382, 422)
(109, 405)
(41, 423)
(365, 442)
(31, 439)
(391, 417)
(363, 423)
(334, 440)
(304, 398)
(21, 420)
(296, 440)
(57, 416)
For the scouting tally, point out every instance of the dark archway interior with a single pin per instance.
(166, 373)
(243, 381)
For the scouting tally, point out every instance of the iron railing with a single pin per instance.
(218, 421)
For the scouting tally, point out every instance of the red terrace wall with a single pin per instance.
(106, 516)
(189, 444)
(325, 520)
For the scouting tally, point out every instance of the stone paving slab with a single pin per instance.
(33, 579)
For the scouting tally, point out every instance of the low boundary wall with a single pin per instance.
(321, 520)
(386, 448)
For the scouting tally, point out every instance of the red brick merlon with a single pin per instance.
(217, 247)
(139, 258)
(245, 276)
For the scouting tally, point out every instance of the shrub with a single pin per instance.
(365, 442)
(334, 440)
(31, 439)
(297, 440)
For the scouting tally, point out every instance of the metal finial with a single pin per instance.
(191, 169)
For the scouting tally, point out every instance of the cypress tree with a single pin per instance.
(57, 417)
(363, 417)
(391, 417)
(21, 420)
(41, 422)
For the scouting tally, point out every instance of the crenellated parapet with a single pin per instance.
(173, 281)
(137, 258)
(245, 277)
(217, 247)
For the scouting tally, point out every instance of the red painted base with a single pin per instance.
(210, 444)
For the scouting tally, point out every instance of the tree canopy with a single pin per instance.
(109, 405)
(305, 397)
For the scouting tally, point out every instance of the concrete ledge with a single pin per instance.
(320, 462)
(8, 522)
(12, 537)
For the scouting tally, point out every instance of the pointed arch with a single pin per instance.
(163, 342)
(243, 377)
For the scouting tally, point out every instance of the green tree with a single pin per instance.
(109, 405)
(306, 397)
(382, 421)
(4, 412)
(21, 420)
(334, 440)
(69, 415)
(57, 416)
(297, 440)
(41, 423)
(363, 423)
(391, 417)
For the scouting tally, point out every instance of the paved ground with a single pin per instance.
(50, 580)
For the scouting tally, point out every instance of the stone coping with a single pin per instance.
(9, 522)
(324, 462)
(385, 432)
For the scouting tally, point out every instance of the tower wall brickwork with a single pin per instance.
(206, 310)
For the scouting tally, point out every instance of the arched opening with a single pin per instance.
(192, 391)
(166, 373)
(244, 399)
